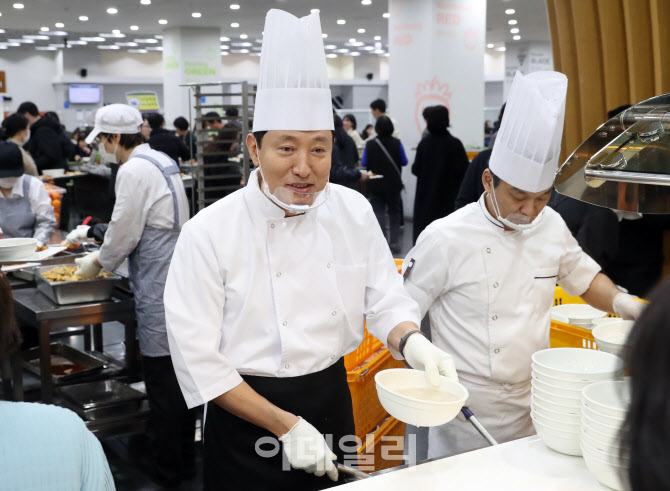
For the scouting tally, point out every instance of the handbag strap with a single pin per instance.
(388, 156)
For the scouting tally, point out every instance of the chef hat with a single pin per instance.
(293, 91)
(114, 119)
(528, 143)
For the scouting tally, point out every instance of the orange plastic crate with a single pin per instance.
(568, 336)
(368, 411)
(384, 448)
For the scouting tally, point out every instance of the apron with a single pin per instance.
(17, 218)
(230, 459)
(503, 409)
(148, 268)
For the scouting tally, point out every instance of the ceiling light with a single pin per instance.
(83, 18)
(331, 55)
(18, 6)
(330, 46)
(46, 48)
(22, 41)
(60, 25)
(511, 22)
(366, 2)
(243, 36)
(341, 22)
(490, 45)
(127, 45)
(361, 31)
(517, 37)
(44, 29)
(324, 35)
(242, 45)
(514, 30)
(38, 37)
(352, 40)
(158, 36)
(56, 33)
(162, 21)
(378, 38)
(342, 50)
(155, 48)
(134, 28)
(234, 6)
(234, 25)
(137, 50)
(315, 11)
(108, 46)
(112, 10)
(225, 46)
(96, 39)
(510, 11)
(196, 15)
(224, 38)
(386, 15)
(354, 53)
(368, 48)
(145, 2)
(112, 35)
(500, 48)
(2, 31)
(224, 53)
(13, 44)
(147, 41)
(77, 43)
(116, 31)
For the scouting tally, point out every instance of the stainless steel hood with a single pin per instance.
(625, 163)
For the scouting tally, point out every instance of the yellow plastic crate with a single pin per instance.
(368, 411)
(564, 335)
(384, 448)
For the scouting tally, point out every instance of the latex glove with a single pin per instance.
(626, 307)
(88, 266)
(424, 355)
(306, 449)
(78, 234)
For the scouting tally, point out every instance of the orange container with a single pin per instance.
(568, 336)
(384, 448)
(56, 194)
(368, 411)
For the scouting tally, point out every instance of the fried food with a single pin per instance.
(66, 273)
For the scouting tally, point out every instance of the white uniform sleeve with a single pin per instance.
(194, 299)
(40, 203)
(129, 218)
(576, 270)
(387, 304)
(428, 278)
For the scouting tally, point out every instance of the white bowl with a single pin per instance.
(418, 412)
(556, 389)
(600, 441)
(610, 398)
(601, 418)
(563, 442)
(54, 172)
(555, 424)
(556, 399)
(611, 337)
(561, 408)
(559, 418)
(606, 473)
(576, 312)
(611, 457)
(17, 248)
(604, 320)
(599, 426)
(578, 364)
(563, 383)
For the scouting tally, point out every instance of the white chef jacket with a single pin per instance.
(40, 204)
(253, 292)
(143, 199)
(489, 291)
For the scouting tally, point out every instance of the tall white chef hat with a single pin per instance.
(293, 91)
(529, 140)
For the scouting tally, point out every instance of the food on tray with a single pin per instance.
(66, 273)
(41, 248)
(70, 246)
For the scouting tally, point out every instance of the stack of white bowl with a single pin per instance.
(577, 314)
(604, 408)
(559, 375)
(611, 334)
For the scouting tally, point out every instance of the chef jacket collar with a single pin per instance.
(260, 205)
(491, 219)
(139, 150)
(17, 190)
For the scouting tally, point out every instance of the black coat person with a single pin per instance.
(440, 164)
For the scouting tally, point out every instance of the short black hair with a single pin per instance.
(212, 116)
(496, 179)
(258, 135)
(155, 120)
(28, 107)
(52, 116)
(384, 126)
(232, 112)
(180, 123)
(379, 104)
(127, 141)
(14, 123)
(351, 118)
(337, 121)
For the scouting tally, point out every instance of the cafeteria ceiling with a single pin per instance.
(37, 15)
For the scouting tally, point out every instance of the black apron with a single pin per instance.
(230, 458)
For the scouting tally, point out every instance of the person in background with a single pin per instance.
(645, 435)
(349, 124)
(181, 128)
(424, 115)
(367, 131)
(166, 141)
(439, 165)
(44, 144)
(378, 109)
(386, 156)
(341, 174)
(83, 149)
(212, 121)
(25, 205)
(69, 455)
(348, 153)
(15, 130)
(227, 173)
(69, 148)
(233, 117)
(150, 209)
(145, 129)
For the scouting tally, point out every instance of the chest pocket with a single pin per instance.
(544, 283)
(351, 281)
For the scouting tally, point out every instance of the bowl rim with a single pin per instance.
(618, 361)
(544, 402)
(566, 306)
(601, 341)
(24, 242)
(533, 388)
(585, 414)
(591, 456)
(533, 414)
(586, 398)
(591, 447)
(541, 381)
(591, 437)
(535, 406)
(414, 399)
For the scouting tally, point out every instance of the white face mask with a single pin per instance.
(286, 199)
(8, 182)
(515, 221)
(27, 137)
(107, 158)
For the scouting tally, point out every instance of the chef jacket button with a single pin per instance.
(334, 313)
(328, 265)
(285, 323)
(272, 225)
(496, 351)
(278, 275)
(495, 317)
(332, 357)
(495, 285)
(287, 366)
(488, 250)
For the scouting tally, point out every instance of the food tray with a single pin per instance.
(101, 394)
(60, 355)
(71, 292)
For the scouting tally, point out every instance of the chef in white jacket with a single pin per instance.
(486, 274)
(268, 289)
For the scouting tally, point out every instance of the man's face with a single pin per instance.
(296, 160)
(347, 124)
(181, 132)
(376, 113)
(515, 201)
(215, 125)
